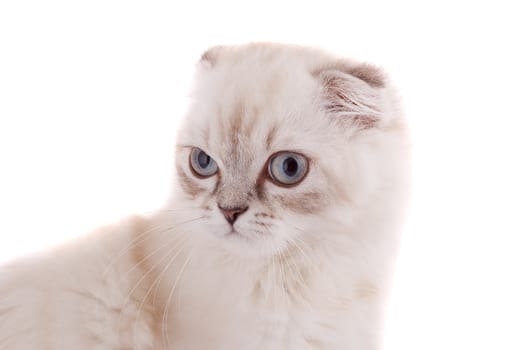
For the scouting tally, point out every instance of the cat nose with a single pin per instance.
(231, 214)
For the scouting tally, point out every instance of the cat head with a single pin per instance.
(284, 144)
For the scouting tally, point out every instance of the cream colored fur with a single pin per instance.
(309, 267)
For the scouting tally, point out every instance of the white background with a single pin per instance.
(91, 93)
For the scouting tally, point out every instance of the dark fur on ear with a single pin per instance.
(368, 73)
(352, 93)
(210, 56)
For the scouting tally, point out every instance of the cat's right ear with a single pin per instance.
(352, 93)
(209, 57)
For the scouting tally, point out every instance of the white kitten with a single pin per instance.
(281, 232)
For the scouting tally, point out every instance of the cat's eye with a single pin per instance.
(287, 168)
(202, 164)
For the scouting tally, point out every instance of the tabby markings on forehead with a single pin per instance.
(270, 137)
(240, 124)
(259, 183)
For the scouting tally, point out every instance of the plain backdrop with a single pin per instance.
(91, 93)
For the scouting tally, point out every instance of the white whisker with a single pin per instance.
(137, 240)
(141, 279)
(156, 284)
(165, 335)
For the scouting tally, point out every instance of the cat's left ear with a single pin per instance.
(209, 57)
(352, 93)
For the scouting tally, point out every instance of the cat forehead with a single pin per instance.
(241, 131)
(255, 82)
(252, 98)
(250, 95)
(266, 54)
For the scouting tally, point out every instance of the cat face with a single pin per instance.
(271, 147)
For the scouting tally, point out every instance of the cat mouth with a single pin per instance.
(234, 234)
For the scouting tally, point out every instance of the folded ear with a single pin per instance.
(352, 93)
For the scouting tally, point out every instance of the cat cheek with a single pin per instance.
(259, 227)
(302, 203)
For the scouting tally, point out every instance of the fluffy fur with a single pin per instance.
(308, 266)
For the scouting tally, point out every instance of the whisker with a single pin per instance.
(138, 239)
(144, 236)
(156, 284)
(168, 210)
(282, 276)
(156, 250)
(274, 286)
(141, 279)
(165, 315)
(153, 252)
(296, 243)
(297, 274)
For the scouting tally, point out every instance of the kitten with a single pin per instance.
(291, 176)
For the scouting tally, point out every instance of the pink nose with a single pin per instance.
(231, 214)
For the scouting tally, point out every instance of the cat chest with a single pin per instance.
(245, 323)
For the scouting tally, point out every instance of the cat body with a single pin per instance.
(281, 231)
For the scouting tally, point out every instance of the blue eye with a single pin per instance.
(202, 164)
(287, 168)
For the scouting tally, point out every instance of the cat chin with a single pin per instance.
(241, 244)
(235, 236)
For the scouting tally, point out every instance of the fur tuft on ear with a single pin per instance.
(368, 73)
(353, 93)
